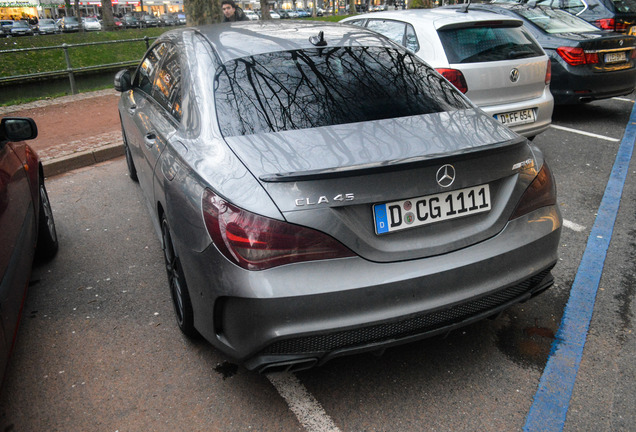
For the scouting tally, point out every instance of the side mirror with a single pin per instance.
(17, 129)
(122, 80)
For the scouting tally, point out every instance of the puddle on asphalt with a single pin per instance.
(527, 346)
(226, 369)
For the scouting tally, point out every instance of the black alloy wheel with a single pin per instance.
(178, 287)
(48, 244)
(132, 171)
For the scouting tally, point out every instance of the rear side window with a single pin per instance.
(486, 44)
(167, 86)
(321, 87)
(399, 32)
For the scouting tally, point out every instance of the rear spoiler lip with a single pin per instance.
(381, 167)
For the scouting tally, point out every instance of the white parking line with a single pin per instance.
(573, 226)
(623, 99)
(307, 409)
(585, 133)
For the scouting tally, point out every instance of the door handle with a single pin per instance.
(132, 108)
(150, 138)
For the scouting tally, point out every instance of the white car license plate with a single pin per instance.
(410, 213)
(615, 57)
(516, 117)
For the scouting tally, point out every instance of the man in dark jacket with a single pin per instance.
(231, 12)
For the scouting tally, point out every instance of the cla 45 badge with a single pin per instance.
(303, 202)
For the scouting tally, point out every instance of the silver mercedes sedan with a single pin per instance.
(320, 191)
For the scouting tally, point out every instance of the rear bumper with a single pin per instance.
(303, 314)
(572, 84)
(543, 106)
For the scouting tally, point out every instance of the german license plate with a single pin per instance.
(414, 212)
(516, 117)
(615, 57)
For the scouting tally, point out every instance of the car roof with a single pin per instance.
(440, 17)
(248, 38)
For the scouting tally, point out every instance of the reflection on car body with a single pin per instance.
(266, 151)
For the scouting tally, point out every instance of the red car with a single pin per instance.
(27, 229)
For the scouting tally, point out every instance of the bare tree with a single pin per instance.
(265, 10)
(78, 15)
(200, 12)
(107, 15)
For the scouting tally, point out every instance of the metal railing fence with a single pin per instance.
(70, 70)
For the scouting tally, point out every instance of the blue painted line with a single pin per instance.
(552, 399)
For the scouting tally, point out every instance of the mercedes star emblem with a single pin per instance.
(445, 175)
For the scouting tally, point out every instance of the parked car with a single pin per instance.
(181, 19)
(47, 26)
(251, 15)
(21, 28)
(167, 20)
(612, 15)
(5, 27)
(149, 21)
(130, 21)
(490, 58)
(69, 24)
(587, 63)
(27, 228)
(91, 24)
(118, 23)
(281, 183)
(283, 14)
(274, 15)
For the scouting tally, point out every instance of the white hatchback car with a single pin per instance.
(489, 57)
(251, 15)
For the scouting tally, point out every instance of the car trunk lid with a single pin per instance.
(329, 178)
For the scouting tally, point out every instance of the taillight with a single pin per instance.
(605, 24)
(540, 193)
(548, 73)
(577, 56)
(456, 78)
(633, 54)
(256, 242)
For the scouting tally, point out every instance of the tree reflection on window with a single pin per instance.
(321, 87)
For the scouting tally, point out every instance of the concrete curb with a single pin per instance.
(73, 161)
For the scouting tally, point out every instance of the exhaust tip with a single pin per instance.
(289, 366)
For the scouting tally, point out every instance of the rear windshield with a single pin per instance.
(556, 21)
(625, 5)
(321, 87)
(486, 44)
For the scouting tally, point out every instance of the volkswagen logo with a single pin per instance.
(445, 175)
(514, 75)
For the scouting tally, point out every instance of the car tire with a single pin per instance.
(178, 287)
(47, 244)
(132, 170)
